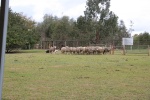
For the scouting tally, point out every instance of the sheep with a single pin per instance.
(89, 50)
(100, 50)
(52, 49)
(94, 49)
(85, 50)
(106, 50)
(78, 50)
(82, 50)
(73, 50)
(65, 49)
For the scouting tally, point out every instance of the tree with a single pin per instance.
(122, 30)
(74, 31)
(142, 38)
(97, 12)
(82, 28)
(98, 25)
(55, 28)
(20, 31)
(110, 27)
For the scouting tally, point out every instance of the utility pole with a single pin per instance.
(3, 32)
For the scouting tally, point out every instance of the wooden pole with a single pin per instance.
(65, 43)
(112, 48)
(148, 50)
(124, 53)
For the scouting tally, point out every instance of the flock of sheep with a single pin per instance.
(81, 50)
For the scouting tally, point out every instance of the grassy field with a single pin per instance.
(40, 76)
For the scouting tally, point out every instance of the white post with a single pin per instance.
(148, 50)
(3, 32)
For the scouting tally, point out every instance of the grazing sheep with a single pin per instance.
(85, 50)
(100, 50)
(65, 49)
(52, 49)
(94, 49)
(106, 50)
(73, 50)
(82, 50)
(90, 50)
(78, 50)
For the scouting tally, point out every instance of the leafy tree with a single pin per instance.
(98, 25)
(20, 31)
(110, 27)
(105, 21)
(142, 38)
(82, 28)
(97, 11)
(122, 30)
(74, 31)
(81, 23)
(56, 28)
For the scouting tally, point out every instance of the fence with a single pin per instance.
(134, 49)
(139, 47)
(73, 43)
(61, 43)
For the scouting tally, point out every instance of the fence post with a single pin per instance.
(148, 50)
(112, 49)
(53, 43)
(49, 45)
(124, 50)
(65, 43)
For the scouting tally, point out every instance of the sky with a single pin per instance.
(136, 11)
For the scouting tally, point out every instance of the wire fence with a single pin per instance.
(138, 47)
(134, 49)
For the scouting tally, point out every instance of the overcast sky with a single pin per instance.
(136, 11)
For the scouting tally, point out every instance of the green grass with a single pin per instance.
(144, 52)
(41, 76)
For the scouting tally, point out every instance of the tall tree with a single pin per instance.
(97, 11)
(104, 22)
(122, 30)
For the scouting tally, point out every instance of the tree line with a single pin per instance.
(142, 39)
(97, 24)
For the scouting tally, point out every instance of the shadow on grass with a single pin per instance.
(27, 51)
(5, 99)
